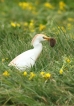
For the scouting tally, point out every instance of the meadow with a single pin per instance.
(51, 81)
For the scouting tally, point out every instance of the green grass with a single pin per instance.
(16, 89)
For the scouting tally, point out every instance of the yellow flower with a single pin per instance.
(25, 23)
(42, 27)
(25, 73)
(31, 7)
(68, 60)
(47, 76)
(32, 75)
(13, 24)
(62, 5)
(26, 5)
(20, 3)
(61, 71)
(6, 58)
(71, 19)
(3, 60)
(42, 73)
(6, 73)
(31, 25)
(48, 5)
(69, 26)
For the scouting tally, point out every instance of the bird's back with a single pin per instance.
(25, 59)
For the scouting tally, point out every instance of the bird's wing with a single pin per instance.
(24, 58)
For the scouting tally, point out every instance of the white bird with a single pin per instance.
(27, 59)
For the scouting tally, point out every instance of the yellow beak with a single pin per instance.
(47, 38)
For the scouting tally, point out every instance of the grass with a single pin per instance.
(18, 25)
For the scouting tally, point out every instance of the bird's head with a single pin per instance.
(41, 37)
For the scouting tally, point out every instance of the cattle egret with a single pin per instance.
(27, 59)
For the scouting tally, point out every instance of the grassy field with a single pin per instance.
(51, 81)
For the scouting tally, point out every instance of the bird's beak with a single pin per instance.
(46, 38)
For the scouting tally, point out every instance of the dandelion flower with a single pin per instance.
(47, 76)
(61, 71)
(42, 73)
(6, 58)
(26, 24)
(48, 5)
(71, 19)
(5, 73)
(13, 24)
(69, 26)
(26, 5)
(42, 27)
(25, 73)
(31, 25)
(62, 5)
(32, 75)
(20, 3)
(68, 60)
(3, 60)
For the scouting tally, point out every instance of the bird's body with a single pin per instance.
(27, 59)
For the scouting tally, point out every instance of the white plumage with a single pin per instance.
(27, 59)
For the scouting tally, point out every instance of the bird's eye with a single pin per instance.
(44, 37)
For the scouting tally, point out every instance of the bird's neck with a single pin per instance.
(38, 49)
(37, 45)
